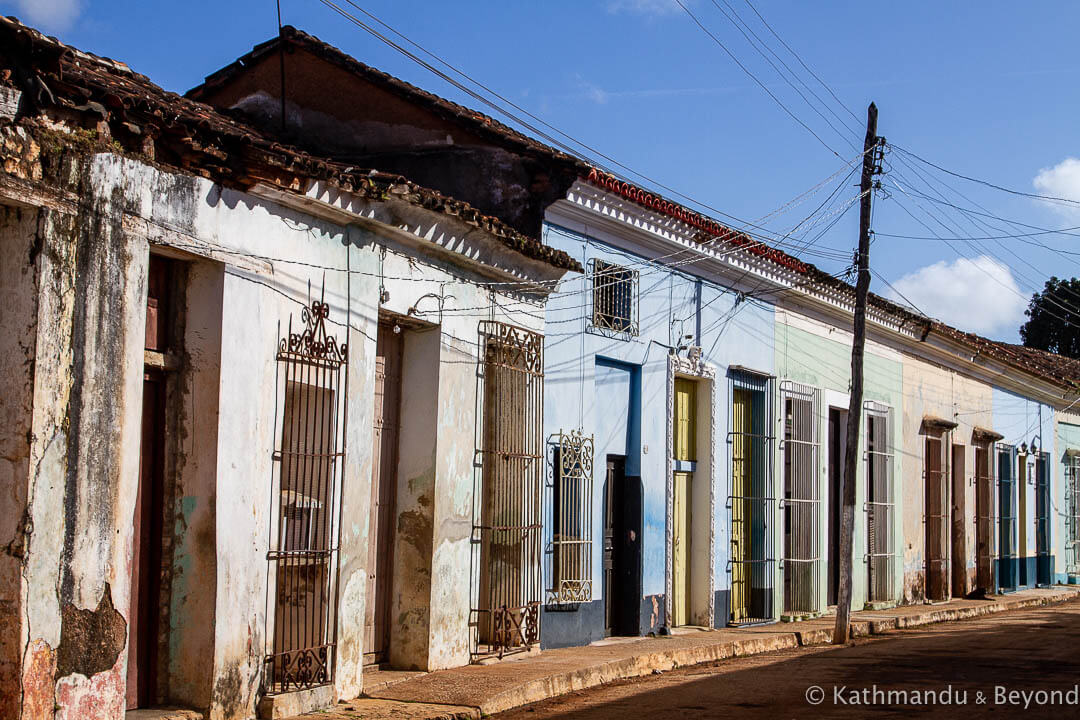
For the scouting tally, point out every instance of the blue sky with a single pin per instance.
(986, 89)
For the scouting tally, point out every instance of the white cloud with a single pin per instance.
(51, 15)
(978, 295)
(1063, 181)
(644, 7)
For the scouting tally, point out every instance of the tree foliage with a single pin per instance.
(1052, 323)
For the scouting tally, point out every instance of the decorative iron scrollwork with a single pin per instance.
(314, 342)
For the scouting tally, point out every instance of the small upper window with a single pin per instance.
(614, 296)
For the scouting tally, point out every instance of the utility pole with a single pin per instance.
(851, 452)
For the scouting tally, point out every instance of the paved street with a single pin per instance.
(1020, 652)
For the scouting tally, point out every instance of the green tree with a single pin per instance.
(1052, 323)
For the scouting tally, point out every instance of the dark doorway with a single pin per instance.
(622, 549)
(984, 520)
(959, 530)
(837, 447)
(148, 518)
(387, 426)
(1042, 520)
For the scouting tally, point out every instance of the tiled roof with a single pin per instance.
(194, 137)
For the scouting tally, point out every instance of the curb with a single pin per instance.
(873, 622)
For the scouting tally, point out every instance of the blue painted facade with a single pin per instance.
(616, 389)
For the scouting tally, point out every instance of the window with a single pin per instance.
(614, 297)
(800, 406)
(571, 543)
(879, 502)
(1072, 512)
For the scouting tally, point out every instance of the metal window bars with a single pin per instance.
(1006, 461)
(571, 540)
(985, 518)
(507, 531)
(1072, 512)
(751, 500)
(614, 299)
(936, 516)
(801, 502)
(880, 503)
(303, 556)
(1042, 519)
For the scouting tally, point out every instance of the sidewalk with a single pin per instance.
(477, 690)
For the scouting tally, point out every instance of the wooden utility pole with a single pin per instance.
(851, 452)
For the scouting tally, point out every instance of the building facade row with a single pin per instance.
(270, 419)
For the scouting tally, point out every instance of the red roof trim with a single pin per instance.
(707, 225)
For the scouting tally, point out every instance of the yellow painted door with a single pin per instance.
(685, 411)
(680, 573)
(740, 505)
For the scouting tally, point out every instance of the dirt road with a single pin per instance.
(1023, 664)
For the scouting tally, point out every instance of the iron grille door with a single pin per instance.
(984, 518)
(937, 504)
(571, 543)
(1072, 513)
(1006, 517)
(1042, 519)
(507, 525)
(880, 503)
(303, 558)
(751, 501)
(801, 502)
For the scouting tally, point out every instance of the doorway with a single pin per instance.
(622, 550)
(1042, 520)
(148, 520)
(937, 543)
(685, 456)
(838, 420)
(984, 520)
(1022, 472)
(386, 431)
(959, 530)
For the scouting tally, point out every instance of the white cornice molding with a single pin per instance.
(654, 235)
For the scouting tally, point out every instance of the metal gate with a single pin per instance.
(1072, 513)
(303, 559)
(1042, 519)
(751, 500)
(880, 503)
(1006, 456)
(801, 502)
(936, 514)
(571, 536)
(984, 518)
(507, 512)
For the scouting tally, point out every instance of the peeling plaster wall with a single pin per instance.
(77, 317)
(18, 331)
(930, 389)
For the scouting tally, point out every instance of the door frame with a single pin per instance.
(702, 609)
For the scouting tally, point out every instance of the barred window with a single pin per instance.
(614, 297)
(1072, 512)
(571, 543)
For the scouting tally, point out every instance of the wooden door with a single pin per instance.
(959, 527)
(937, 558)
(681, 549)
(1021, 518)
(386, 431)
(984, 520)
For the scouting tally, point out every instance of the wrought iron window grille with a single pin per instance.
(1072, 512)
(800, 450)
(614, 300)
(880, 502)
(507, 534)
(301, 606)
(751, 502)
(571, 542)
